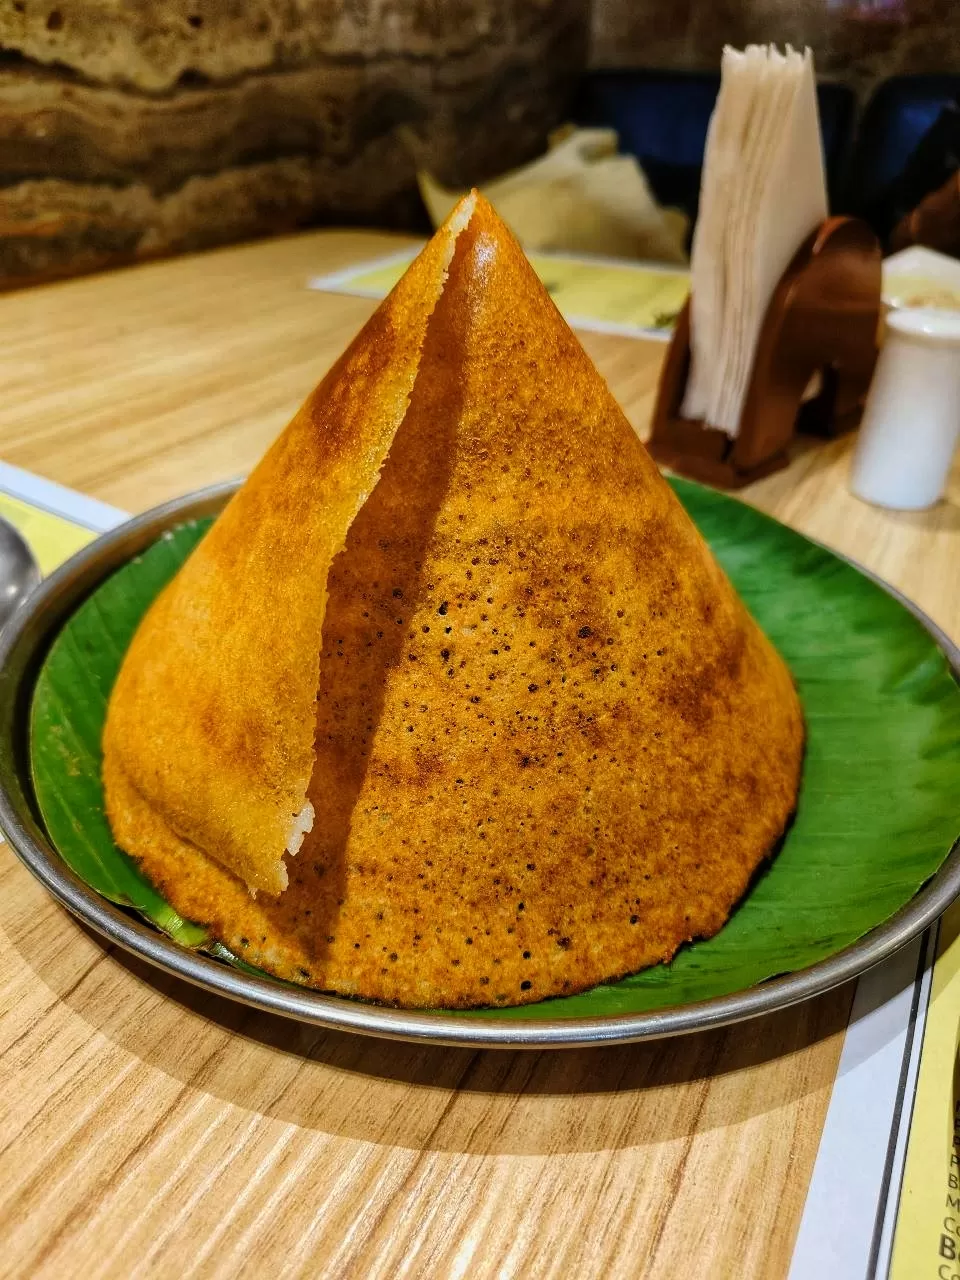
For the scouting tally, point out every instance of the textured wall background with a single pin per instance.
(861, 41)
(135, 127)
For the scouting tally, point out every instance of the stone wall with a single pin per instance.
(130, 128)
(861, 41)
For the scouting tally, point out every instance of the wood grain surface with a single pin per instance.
(147, 1129)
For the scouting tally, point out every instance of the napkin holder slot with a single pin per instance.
(823, 319)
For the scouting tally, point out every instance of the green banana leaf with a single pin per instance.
(879, 803)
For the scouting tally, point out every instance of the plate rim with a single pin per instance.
(22, 646)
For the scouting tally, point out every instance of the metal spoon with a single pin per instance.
(19, 571)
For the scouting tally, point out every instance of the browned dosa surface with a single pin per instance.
(551, 745)
(211, 712)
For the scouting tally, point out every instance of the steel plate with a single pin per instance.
(22, 649)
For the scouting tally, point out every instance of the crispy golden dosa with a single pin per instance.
(210, 715)
(551, 744)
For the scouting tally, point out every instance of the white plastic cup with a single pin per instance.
(911, 421)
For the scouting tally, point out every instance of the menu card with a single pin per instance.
(601, 295)
(927, 1240)
(884, 1199)
(55, 521)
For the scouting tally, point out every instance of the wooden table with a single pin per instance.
(149, 1129)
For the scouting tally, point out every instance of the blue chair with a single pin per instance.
(662, 117)
(898, 114)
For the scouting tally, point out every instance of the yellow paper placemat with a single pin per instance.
(52, 539)
(927, 1240)
(56, 522)
(603, 295)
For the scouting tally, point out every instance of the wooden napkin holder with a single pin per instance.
(824, 317)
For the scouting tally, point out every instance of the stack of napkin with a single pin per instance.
(762, 193)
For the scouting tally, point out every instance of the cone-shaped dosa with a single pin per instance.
(544, 743)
